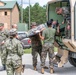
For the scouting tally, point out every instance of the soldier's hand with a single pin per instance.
(2, 42)
(62, 22)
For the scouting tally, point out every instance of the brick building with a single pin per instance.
(9, 13)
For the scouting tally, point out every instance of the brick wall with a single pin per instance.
(15, 15)
(5, 18)
(1, 4)
(9, 17)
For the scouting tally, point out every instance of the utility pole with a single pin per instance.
(21, 11)
(29, 14)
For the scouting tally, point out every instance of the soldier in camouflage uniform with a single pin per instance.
(65, 12)
(13, 51)
(48, 46)
(3, 36)
(36, 46)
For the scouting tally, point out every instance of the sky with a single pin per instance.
(32, 2)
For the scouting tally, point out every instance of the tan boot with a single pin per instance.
(51, 70)
(42, 70)
(35, 68)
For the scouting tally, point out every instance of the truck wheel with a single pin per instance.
(72, 61)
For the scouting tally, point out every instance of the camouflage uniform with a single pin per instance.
(13, 51)
(3, 36)
(36, 48)
(66, 15)
(48, 46)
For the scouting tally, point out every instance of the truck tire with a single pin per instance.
(72, 61)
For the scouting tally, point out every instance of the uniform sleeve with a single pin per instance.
(4, 54)
(20, 49)
(66, 13)
(54, 31)
(44, 33)
(7, 33)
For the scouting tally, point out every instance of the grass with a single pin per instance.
(28, 51)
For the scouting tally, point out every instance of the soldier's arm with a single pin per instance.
(64, 20)
(43, 35)
(7, 33)
(20, 49)
(4, 54)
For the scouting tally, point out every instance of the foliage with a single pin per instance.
(37, 14)
(27, 51)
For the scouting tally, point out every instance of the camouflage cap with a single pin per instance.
(13, 31)
(1, 24)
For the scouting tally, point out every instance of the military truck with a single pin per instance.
(66, 46)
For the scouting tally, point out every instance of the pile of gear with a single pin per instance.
(36, 30)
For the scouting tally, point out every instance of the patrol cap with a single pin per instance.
(1, 24)
(13, 31)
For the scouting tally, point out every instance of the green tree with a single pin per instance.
(38, 14)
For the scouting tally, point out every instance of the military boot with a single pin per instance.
(51, 70)
(42, 70)
(23, 67)
(35, 68)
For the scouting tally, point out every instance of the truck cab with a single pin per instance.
(66, 46)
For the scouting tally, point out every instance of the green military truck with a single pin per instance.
(66, 47)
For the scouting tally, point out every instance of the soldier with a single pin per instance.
(14, 26)
(17, 37)
(36, 46)
(3, 36)
(48, 46)
(13, 51)
(65, 12)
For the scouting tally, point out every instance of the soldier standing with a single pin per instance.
(13, 51)
(36, 46)
(14, 26)
(48, 46)
(3, 36)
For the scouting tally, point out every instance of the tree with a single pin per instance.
(38, 14)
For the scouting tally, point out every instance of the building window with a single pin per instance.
(5, 13)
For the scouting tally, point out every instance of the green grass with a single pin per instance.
(28, 51)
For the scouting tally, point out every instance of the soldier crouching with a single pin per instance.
(13, 52)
